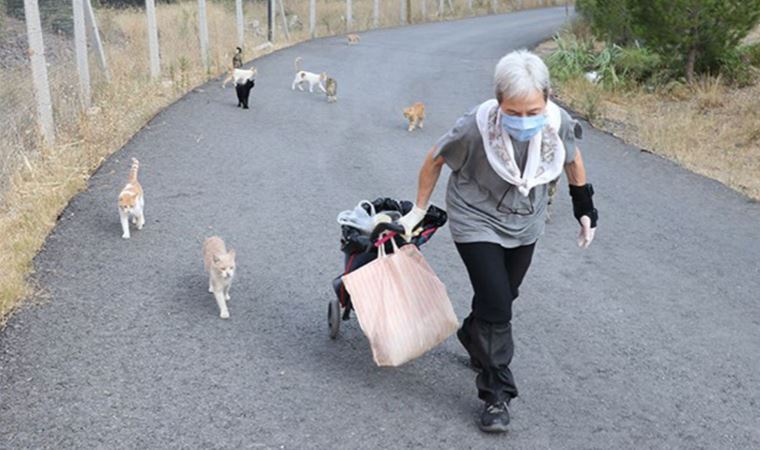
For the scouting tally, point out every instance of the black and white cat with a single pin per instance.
(243, 91)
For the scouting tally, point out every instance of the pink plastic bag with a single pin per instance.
(401, 305)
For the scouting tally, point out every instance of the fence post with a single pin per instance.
(349, 14)
(376, 13)
(89, 16)
(155, 62)
(313, 18)
(80, 48)
(440, 8)
(39, 71)
(423, 9)
(240, 22)
(494, 6)
(270, 20)
(203, 33)
(284, 20)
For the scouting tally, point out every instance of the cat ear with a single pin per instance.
(231, 253)
(216, 258)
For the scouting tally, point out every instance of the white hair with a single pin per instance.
(519, 74)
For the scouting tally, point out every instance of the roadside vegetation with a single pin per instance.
(676, 77)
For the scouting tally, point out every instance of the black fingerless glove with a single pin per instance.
(583, 205)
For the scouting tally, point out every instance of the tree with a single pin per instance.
(610, 20)
(697, 33)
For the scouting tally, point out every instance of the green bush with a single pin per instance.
(614, 65)
(605, 64)
(737, 68)
(638, 63)
(611, 20)
(572, 58)
(751, 54)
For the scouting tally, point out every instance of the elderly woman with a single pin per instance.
(502, 155)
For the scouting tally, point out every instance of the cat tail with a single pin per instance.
(297, 63)
(133, 170)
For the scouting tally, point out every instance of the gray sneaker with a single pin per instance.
(495, 417)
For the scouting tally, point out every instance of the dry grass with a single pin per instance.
(36, 182)
(753, 36)
(710, 129)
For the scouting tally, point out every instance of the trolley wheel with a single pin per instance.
(333, 318)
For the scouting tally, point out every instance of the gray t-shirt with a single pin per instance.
(482, 206)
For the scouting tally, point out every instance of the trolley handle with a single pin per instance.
(387, 230)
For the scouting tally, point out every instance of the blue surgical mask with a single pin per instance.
(522, 128)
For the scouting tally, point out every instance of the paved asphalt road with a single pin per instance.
(650, 339)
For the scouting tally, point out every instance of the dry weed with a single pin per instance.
(713, 132)
(709, 93)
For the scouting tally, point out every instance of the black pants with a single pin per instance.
(496, 274)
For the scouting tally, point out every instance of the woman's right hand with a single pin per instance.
(429, 173)
(411, 219)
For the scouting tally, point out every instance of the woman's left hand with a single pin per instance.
(586, 234)
(584, 212)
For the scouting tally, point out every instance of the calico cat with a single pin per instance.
(415, 114)
(331, 89)
(132, 202)
(220, 265)
(237, 60)
(302, 76)
(243, 92)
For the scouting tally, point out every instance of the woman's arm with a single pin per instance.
(429, 174)
(576, 171)
(583, 205)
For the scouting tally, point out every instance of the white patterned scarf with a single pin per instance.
(546, 152)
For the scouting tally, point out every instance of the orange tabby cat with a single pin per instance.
(220, 265)
(352, 39)
(415, 114)
(132, 202)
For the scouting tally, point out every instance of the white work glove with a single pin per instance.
(585, 213)
(586, 234)
(411, 219)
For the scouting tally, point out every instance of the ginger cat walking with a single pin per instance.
(415, 114)
(132, 202)
(220, 265)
